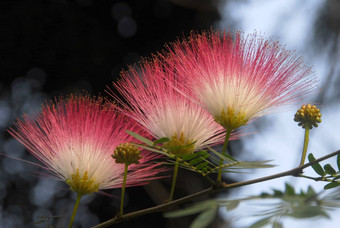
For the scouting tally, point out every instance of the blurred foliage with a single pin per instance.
(327, 24)
(283, 204)
(326, 38)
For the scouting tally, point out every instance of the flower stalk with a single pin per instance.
(75, 210)
(174, 178)
(127, 154)
(123, 190)
(305, 146)
(224, 152)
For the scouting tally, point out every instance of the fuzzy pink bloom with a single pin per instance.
(75, 138)
(154, 102)
(239, 78)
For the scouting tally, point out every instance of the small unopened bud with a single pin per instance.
(126, 153)
(308, 116)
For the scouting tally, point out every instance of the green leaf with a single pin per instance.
(277, 225)
(140, 138)
(232, 205)
(196, 161)
(187, 157)
(302, 193)
(155, 150)
(289, 190)
(225, 157)
(307, 211)
(338, 161)
(204, 219)
(277, 193)
(196, 158)
(261, 223)
(331, 185)
(197, 208)
(317, 167)
(336, 177)
(329, 169)
(310, 192)
(265, 195)
(202, 165)
(161, 140)
(253, 164)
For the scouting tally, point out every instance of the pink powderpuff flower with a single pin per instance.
(152, 101)
(238, 78)
(75, 137)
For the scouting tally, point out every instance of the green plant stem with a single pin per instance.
(74, 210)
(224, 151)
(324, 178)
(305, 145)
(293, 172)
(174, 178)
(123, 190)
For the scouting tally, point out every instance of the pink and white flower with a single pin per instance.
(239, 78)
(152, 100)
(74, 139)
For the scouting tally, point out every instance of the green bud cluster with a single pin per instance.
(126, 153)
(308, 116)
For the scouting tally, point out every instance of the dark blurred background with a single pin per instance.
(49, 48)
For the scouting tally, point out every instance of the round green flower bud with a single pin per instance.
(308, 116)
(126, 153)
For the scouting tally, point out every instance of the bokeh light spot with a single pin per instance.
(127, 27)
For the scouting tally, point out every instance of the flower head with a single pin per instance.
(163, 111)
(237, 79)
(75, 138)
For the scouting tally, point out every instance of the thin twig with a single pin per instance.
(157, 208)
(223, 187)
(317, 178)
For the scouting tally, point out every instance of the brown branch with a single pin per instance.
(293, 172)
